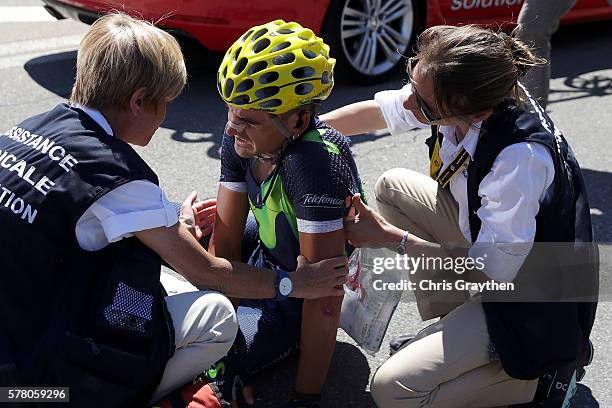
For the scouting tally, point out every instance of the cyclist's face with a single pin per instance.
(254, 132)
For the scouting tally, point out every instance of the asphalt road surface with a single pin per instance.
(37, 59)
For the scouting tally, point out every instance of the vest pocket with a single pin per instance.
(130, 302)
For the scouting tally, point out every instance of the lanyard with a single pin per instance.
(435, 164)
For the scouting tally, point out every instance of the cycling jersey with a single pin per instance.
(305, 194)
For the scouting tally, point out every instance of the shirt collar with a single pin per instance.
(97, 116)
(469, 142)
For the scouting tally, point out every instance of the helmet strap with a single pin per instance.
(290, 138)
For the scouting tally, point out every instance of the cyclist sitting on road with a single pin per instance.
(294, 173)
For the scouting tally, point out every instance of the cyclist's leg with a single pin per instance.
(449, 364)
(205, 327)
(268, 333)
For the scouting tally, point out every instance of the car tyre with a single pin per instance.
(370, 38)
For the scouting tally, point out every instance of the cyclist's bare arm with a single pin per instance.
(320, 317)
(232, 211)
(356, 118)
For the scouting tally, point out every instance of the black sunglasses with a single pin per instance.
(423, 107)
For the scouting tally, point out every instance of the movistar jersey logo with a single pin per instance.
(217, 370)
(313, 200)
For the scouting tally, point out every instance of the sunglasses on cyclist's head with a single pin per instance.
(425, 110)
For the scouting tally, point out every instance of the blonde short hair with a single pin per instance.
(120, 54)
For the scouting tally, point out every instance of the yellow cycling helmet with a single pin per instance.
(276, 67)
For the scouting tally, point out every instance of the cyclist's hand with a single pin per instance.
(320, 279)
(364, 227)
(199, 217)
(205, 214)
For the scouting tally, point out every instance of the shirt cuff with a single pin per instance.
(123, 225)
(237, 186)
(319, 227)
(502, 262)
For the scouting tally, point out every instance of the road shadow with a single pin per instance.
(346, 382)
(599, 191)
(578, 53)
(198, 115)
(54, 72)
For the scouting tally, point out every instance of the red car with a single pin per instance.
(367, 37)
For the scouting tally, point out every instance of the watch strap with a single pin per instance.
(401, 248)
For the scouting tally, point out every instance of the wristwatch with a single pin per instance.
(401, 248)
(284, 285)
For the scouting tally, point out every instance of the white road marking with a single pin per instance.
(24, 14)
(16, 54)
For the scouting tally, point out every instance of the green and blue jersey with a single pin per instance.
(308, 195)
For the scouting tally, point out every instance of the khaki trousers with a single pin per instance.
(205, 327)
(448, 364)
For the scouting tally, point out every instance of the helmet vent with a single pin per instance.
(309, 54)
(268, 77)
(229, 87)
(259, 34)
(272, 103)
(241, 100)
(285, 31)
(237, 53)
(304, 89)
(245, 85)
(282, 59)
(244, 37)
(267, 92)
(325, 78)
(303, 72)
(256, 67)
(281, 46)
(261, 45)
(240, 66)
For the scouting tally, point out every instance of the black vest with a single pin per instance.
(532, 338)
(94, 321)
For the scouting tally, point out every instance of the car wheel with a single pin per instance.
(369, 37)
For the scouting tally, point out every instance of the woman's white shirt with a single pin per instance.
(134, 206)
(510, 193)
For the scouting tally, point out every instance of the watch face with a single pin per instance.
(285, 286)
